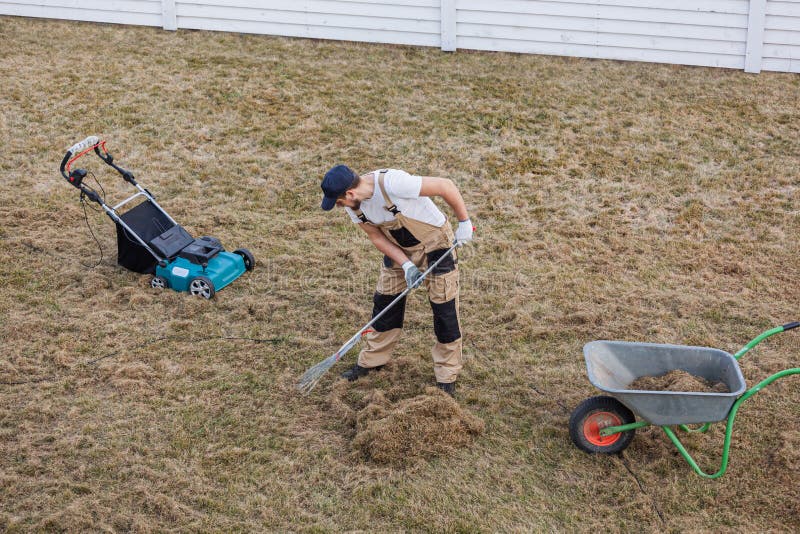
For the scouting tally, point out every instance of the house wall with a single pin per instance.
(781, 49)
(740, 34)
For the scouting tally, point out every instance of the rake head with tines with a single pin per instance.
(311, 378)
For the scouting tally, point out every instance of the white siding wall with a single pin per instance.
(749, 34)
(781, 49)
(689, 32)
(415, 22)
(139, 12)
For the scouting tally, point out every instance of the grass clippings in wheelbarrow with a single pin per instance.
(678, 380)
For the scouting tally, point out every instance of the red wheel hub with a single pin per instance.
(596, 422)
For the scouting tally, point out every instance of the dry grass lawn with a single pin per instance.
(613, 201)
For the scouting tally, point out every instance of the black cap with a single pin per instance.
(337, 180)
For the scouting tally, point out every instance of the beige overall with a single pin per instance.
(442, 286)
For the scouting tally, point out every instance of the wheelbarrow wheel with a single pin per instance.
(594, 414)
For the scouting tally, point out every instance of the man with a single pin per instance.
(395, 210)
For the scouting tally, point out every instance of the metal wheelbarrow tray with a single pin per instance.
(613, 365)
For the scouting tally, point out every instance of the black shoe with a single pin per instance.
(356, 372)
(449, 388)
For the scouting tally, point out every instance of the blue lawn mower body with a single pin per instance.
(149, 241)
(200, 266)
(221, 271)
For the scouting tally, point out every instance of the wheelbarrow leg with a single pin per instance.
(728, 427)
(725, 449)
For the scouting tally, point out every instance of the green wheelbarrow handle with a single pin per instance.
(764, 335)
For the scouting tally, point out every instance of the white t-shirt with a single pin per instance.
(403, 190)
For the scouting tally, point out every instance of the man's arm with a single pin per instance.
(412, 274)
(445, 188)
(383, 244)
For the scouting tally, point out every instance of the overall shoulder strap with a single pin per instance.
(388, 205)
(360, 215)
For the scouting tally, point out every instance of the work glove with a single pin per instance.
(464, 232)
(413, 276)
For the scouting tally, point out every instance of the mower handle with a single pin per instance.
(764, 335)
(80, 148)
(77, 151)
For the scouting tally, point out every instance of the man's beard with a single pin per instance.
(356, 205)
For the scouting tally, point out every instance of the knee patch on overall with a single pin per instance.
(392, 318)
(445, 321)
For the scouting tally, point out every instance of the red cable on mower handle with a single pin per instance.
(80, 148)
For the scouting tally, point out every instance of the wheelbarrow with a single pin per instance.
(606, 424)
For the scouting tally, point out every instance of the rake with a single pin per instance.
(311, 378)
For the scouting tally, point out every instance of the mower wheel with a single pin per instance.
(595, 414)
(202, 287)
(249, 259)
(159, 282)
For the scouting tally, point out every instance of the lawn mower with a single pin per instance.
(606, 424)
(149, 241)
